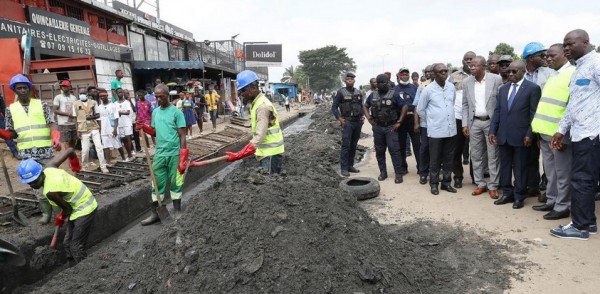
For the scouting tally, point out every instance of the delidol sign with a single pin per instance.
(263, 55)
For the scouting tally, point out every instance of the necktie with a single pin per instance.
(511, 98)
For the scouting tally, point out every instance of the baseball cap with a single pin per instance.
(404, 69)
(349, 75)
(505, 58)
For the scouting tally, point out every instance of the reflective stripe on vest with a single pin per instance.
(78, 195)
(31, 127)
(553, 103)
(272, 144)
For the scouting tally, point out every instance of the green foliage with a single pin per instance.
(322, 66)
(505, 49)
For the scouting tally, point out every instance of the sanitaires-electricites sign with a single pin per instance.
(259, 55)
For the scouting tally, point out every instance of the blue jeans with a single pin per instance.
(10, 143)
(272, 164)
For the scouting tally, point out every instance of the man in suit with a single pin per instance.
(511, 130)
(480, 92)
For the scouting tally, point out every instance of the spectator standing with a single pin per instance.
(582, 119)
(124, 123)
(62, 106)
(144, 112)
(511, 130)
(436, 106)
(86, 111)
(187, 107)
(199, 107)
(116, 84)
(212, 100)
(108, 126)
(480, 91)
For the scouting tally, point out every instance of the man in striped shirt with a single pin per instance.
(582, 119)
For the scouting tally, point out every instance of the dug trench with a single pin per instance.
(293, 233)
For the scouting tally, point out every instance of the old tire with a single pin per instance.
(361, 187)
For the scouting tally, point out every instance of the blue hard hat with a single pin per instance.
(533, 48)
(19, 78)
(29, 170)
(246, 78)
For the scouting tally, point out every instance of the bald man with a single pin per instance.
(511, 130)
(582, 119)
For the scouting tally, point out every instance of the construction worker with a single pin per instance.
(267, 136)
(388, 111)
(347, 109)
(67, 192)
(170, 160)
(29, 120)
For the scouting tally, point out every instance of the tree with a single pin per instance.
(322, 66)
(505, 49)
(288, 75)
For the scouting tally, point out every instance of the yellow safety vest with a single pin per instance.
(31, 127)
(272, 144)
(78, 195)
(553, 103)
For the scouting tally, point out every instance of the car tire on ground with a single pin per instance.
(362, 188)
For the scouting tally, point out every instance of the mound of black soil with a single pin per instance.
(292, 233)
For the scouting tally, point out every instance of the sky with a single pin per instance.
(384, 35)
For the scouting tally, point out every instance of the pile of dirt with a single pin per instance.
(291, 233)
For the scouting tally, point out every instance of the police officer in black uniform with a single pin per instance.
(388, 111)
(407, 91)
(347, 109)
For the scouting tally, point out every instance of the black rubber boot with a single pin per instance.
(177, 207)
(153, 218)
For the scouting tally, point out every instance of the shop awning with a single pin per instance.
(168, 65)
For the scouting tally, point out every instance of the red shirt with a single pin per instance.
(143, 112)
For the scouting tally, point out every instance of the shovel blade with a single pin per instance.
(163, 214)
(19, 217)
(10, 254)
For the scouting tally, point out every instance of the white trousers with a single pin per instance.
(85, 147)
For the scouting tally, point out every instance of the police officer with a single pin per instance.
(407, 92)
(347, 109)
(388, 111)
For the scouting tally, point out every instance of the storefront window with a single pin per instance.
(163, 51)
(151, 48)
(137, 43)
(177, 53)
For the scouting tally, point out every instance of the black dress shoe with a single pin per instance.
(504, 200)
(435, 190)
(543, 207)
(345, 173)
(353, 170)
(423, 180)
(518, 204)
(458, 183)
(554, 215)
(382, 176)
(449, 189)
(398, 179)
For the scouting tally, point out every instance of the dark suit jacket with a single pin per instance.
(512, 126)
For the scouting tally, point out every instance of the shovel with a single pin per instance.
(17, 216)
(208, 161)
(10, 254)
(162, 211)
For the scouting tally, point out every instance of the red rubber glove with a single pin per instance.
(148, 129)
(60, 219)
(246, 151)
(183, 158)
(75, 164)
(6, 135)
(55, 134)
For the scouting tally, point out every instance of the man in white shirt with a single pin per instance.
(124, 123)
(108, 127)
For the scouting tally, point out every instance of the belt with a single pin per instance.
(352, 118)
(385, 125)
(482, 118)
